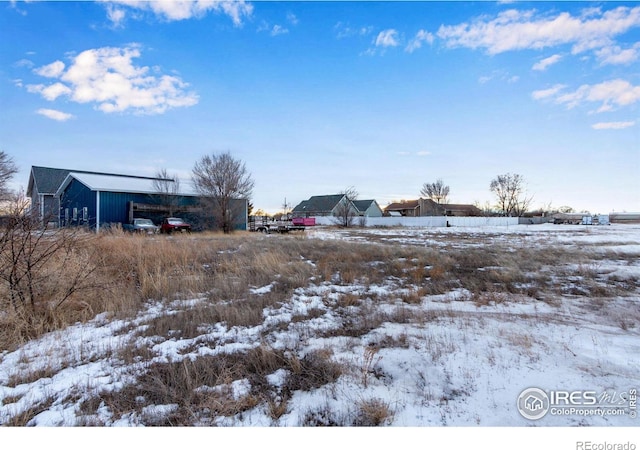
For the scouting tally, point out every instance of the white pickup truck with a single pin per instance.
(141, 226)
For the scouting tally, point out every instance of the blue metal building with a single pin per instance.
(98, 200)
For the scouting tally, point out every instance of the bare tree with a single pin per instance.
(437, 191)
(7, 170)
(40, 269)
(167, 187)
(486, 208)
(512, 199)
(220, 179)
(345, 211)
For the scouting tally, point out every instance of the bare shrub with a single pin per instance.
(324, 416)
(373, 413)
(44, 276)
(412, 297)
(358, 323)
(348, 299)
(400, 341)
(489, 298)
(313, 370)
(277, 407)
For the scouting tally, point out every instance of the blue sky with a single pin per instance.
(316, 97)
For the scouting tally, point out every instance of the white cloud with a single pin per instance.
(609, 94)
(23, 63)
(518, 30)
(547, 93)
(54, 114)
(291, 17)
(171, 10)
(52, 70)
(387, 38)
(235, 9)
(54, 91)
(14, 5)
(545, 63)
(107, 77)
(278, 30)
(615, 55)
(344, 30)
(612, 125)
(275, 30)
(116, 15)
(500, 75)
(420, 37)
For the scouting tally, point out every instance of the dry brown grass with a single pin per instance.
(128, 269)
(22, 419)
(201, 389)
(373, 413)
(221, 270)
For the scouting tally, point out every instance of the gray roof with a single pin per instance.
(363, 205)
(317, 203)
(47, 180)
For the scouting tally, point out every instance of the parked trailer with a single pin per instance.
(265, 224)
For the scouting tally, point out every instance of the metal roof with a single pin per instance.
(115, 183)
(48, 180)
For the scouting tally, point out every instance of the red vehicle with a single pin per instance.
(172, 224)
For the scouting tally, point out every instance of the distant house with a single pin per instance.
(457, 210)
(368, 208)
(324, 205)
(427, 207)
(334, 205)
(410, 208)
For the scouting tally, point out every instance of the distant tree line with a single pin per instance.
(509, 189)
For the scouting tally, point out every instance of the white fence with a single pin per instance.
(431, 221)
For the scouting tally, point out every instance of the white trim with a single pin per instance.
(41, 208)
(97, 211)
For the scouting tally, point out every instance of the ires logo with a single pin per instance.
(535, 403)
(575, 398)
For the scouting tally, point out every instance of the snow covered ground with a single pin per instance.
(463, 364)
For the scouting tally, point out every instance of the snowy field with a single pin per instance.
(464, 363)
